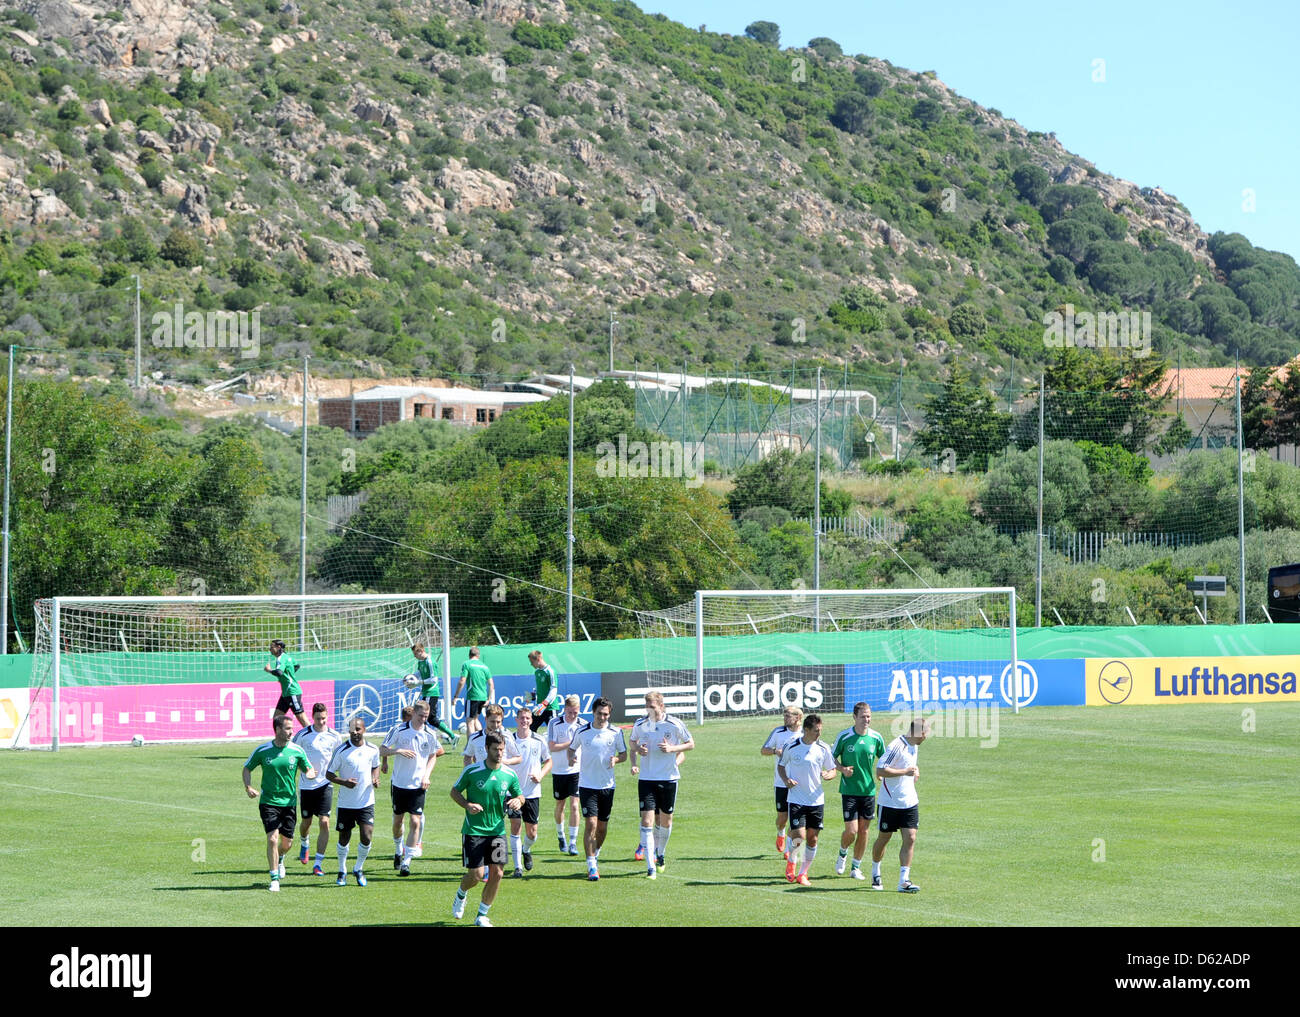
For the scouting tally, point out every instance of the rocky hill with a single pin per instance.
(473, 188)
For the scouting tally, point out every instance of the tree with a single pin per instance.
(927, 112)
(784, 480)
(852, 112)
(182, 249)
(766, 32)
(1259, 410)
(827, 49)
(967, 322)
(964, 419)
(1031, 183)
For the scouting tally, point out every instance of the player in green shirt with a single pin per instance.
(480, 689)
(485, 790)
(856, 750)
(547, 695)
(285, 670)
(281, 762)
(431, 689)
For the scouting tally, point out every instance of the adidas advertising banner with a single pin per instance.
(1153, 681)
(729, 691)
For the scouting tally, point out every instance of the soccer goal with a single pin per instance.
(114, 669)
(748, 652)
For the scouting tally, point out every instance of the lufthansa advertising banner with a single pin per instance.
(1155, 681)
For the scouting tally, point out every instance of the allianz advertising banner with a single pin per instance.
(1154, 681)
(917, 684)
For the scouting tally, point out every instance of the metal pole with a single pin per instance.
(611, 342)
(898, 418)
(699, 657)
(1038, 582)
(1015, 658)
(568, 533)
(817, 506)
(56, 665)
(138, 383)
(4, 562)
(302, 536)
(1241, 508)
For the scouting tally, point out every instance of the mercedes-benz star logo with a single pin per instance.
(362, 701)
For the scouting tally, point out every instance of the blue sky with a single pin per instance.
(1197, 98)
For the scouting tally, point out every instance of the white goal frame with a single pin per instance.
(815, 596)
(301, 600)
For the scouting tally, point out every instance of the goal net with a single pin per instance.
(109, 669)
(749, 652)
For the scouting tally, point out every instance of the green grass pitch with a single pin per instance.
(1131, 816)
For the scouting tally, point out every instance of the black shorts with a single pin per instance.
(278, 817)
(529, 813)
(804, 817)
(781, 805)
(898, 819)
(657, 795)
(433, 708)
(598, 802)
(408, 799)
(858, 807)
(564, 785)
(318, 802)
(540, 720)
(289, 704)
(348, 818)
(475, 707)
(476, 852)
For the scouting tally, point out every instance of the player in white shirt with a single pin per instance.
(804, 765)
(315, 796)
(416, 748)
(600, 747)
(564, 775)
(355, 768)
(494, 723)
(774, 746)
(899, 804)
(658, 742)
(533, 766)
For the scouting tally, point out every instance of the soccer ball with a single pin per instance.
(137, 740)
(411, 681)
(460, 728)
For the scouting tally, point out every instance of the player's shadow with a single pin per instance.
(720, 858)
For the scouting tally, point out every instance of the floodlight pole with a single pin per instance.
(302, 535)
(4, 562)
(1241, 508)
(138, 383)
(568, 532)
(1038, 583)
(817, 506)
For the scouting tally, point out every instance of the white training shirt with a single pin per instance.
(355, 761)
(658, 765)
(898, 792)
(534, 753)
(778, 740)
(319, 746)
(476, 747)
(597, 745)
(805, 763)
(407, 773)
(560, 730)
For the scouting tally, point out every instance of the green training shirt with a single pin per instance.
(545, 678)
(492, 789)
(860, 752)
(478, 676)
(288, 676)
(280, 766)
(424, 670)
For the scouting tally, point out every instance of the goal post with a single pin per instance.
(108, 669)
(750, 652)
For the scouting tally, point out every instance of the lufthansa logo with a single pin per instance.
(1115, 682)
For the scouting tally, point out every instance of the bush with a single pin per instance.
(182, 248)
